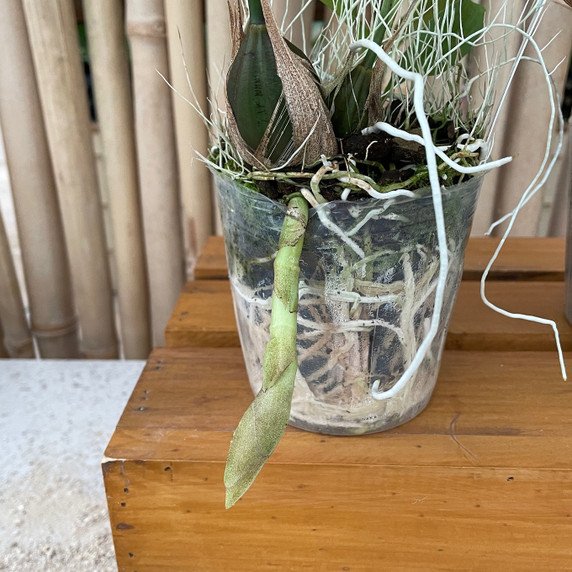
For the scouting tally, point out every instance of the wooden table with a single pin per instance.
(481, 480)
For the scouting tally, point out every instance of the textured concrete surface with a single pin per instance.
(56, 418)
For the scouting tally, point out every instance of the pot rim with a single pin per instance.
(422, 193)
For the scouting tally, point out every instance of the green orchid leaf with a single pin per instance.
(472, 20)
(347, 103)
(274, 106)
(328, 3)
(253, 85)
(468, 19)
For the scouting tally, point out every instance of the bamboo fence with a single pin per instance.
(110, 74)
(298, 30)
(161, 206)
(218, 59)
(17, 336)
(45, 262)
(54, 42)
(523, 126)
(3, 350)
(158, 176)
(558, 217)
(188, 77)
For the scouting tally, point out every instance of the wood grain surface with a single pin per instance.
(482, 479)
(204, 316)
(211, 264)
(520, 259)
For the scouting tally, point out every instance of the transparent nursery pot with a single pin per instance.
(368, 274)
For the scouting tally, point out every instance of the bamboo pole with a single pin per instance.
(528, 117)
(53, 37)
(17, 336)
(185, 27)
(103, 187)
(3, 350)
(44, 257)
(157, 159)
(486, 212)
(218, 60)
(110, 73)
(218, 49)
(560, 212)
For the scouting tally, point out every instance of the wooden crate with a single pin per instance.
(482, 479)
(211, 264)
(520, 259)
(204, 316)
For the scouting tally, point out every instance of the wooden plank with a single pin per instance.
(520, 259)
(483, 475)
(211, 264)
(491, 400)
(171, 517)
(204, 316)
(476, 327)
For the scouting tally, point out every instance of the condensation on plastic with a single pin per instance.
(368, 274)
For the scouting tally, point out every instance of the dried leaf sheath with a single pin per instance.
(263, 424)
(236, 26)
(303, 98)
(298, 128)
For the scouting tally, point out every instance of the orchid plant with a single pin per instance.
(393, 97)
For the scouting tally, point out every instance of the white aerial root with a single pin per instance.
(371, 214)
(250, 299)
(413, 293)
(348, 297)
(315, 199)
(432, 152)
(418, 88)
(336, 323)
(316, 180)
(535, 185)
(364, 185)
(331, 225)
(390, 130)
(308, 195)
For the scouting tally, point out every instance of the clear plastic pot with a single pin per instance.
(368, 274)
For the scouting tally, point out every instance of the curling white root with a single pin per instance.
(309, 196)
(541, 176)
(364, 185)
(390, 130)
(418, 89)
(330, 225)
(537, 183)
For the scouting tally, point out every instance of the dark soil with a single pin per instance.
(383, 158)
